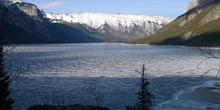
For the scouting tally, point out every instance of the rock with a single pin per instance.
(197, 3)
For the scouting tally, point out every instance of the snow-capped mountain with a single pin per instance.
(31, 25)
(112, 27)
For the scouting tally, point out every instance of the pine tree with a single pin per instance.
(5, 101)
(145, 97)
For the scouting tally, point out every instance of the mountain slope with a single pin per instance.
(24, 23)
(112, 27)
(197, 27)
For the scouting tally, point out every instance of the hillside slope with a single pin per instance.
(199, 26)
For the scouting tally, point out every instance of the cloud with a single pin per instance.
(51, 4)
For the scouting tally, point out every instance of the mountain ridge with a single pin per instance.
(193, 28)
(119, 27)
(25, 23)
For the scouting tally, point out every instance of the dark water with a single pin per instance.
(80, 73)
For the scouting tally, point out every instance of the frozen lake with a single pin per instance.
(80, 73)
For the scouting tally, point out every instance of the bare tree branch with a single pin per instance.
(209, 54)
(9, 60)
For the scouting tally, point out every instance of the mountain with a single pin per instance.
(22, 22)
(111, 27)
(199, 26)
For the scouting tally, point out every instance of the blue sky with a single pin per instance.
(169, 8)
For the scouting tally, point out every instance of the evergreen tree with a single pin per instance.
(5, 101)
(145, 97)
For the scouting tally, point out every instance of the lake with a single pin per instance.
(106, 74)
